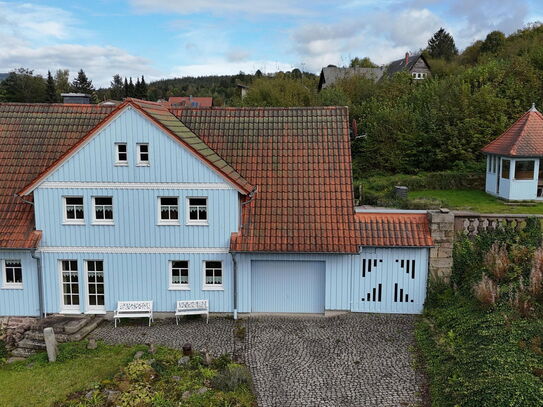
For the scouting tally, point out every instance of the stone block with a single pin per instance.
(50, 344)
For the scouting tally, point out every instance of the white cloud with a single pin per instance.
(237, 55)
(223, 67)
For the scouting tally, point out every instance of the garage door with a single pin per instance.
(287, 286)
(391, 281)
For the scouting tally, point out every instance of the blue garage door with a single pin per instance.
(287, 286)
(390, 280)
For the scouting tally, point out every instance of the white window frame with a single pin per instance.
(121, 163)
(212, 287)
(167, 222)
(140, 162)
(178, 286)
(93, 309)
(69, 309)
(102, 221)
(11, 286)
(197, 222)
(67, 221)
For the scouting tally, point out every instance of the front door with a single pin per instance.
(95, 286)
(69, 279)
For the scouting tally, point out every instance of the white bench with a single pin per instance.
(133, 309)
(195, 307)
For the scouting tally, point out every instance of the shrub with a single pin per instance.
(497, 261)
(139, 370)
(486, 291)
(232, 377)
(536, 274)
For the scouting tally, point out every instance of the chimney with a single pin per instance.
(406, 58)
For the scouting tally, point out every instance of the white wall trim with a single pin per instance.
(134, 250)
(135, 185)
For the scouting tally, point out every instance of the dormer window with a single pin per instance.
(122, 154)
(143, 154)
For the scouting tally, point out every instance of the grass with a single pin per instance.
(35, 382)
(474, 200)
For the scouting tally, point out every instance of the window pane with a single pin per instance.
(99, 265)
(123, 157)
(202, 213)
(524, 169)
(105, 200)
(74, 200)
(175, 278)
(193, 214)
(121, 148)
(198, 201)
(79, 212)
(213, 264)
(506, 164)
(180, 264)
(70, 212)
(90, 266)
(173, 213)
(144, 157)
(144, 148)
(73, 265)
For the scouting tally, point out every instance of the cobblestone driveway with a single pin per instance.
(361, 360)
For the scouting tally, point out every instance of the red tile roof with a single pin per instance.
(523, 139)
(394, 229)
(32, 136)
(300, 161)
(189, 101)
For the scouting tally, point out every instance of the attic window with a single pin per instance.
(143, 154)
(122, 154)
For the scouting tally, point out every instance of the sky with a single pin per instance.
(174, 38)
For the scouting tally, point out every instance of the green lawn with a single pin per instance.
(37, 383)
(474, 200)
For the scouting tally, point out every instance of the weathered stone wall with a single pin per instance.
(12, 329)
(442, 230)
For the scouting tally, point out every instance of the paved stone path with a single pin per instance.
(361, 360)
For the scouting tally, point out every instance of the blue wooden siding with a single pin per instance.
(388, 283)
(140, 277)
(135, 214)
(337, 278)
(287, 286)
(25, 301)
(169, 161)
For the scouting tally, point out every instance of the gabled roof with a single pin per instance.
(380, 229)
(523, 139)
(32, 136)
(168, 122)
(332, 74)
(399, 65)
(300, 161)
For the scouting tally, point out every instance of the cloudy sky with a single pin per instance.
(167, 38)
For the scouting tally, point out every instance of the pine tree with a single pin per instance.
(50, 90)
(442, 46)
(137, 89)
(82, 84)
(131, 88)
(125, 88)
(144, 89)
(116, 89)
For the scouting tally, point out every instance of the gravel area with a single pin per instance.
(361, 360)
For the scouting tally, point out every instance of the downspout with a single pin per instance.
(235, 282)
(40, 282)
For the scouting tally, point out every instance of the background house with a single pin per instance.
(514, 169)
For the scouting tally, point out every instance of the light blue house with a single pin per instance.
(251, 209)
(514, 169)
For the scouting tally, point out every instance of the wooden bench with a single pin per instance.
(133, 309)
(195, 307)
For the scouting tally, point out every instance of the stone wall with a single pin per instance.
(442, 230)
(12, 329)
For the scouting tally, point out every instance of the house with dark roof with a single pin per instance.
(249, 208)
(514, 161)
(416, 65)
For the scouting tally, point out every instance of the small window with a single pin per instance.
(103, 209)
(506, 165)
(197, 208)
(13, 274)
(122, 154)
(143, 154)
(524, 170)
(213, 274)
(179, 274)
(169, 210)
(73, 210)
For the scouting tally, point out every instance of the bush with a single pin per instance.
(232, 377)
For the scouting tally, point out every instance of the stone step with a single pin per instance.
(31, 344)
(87, 329)
(22, 352)
(38, 336)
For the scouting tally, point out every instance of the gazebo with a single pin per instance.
(514, 165)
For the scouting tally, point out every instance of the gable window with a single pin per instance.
(73, 210)
(213, 275)
(506, 165)
(168, 210)
(524, 169)
(122, 154)
(103, 210)
(143, 154)
(197, 211)
(179, 275)
(13, 274)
